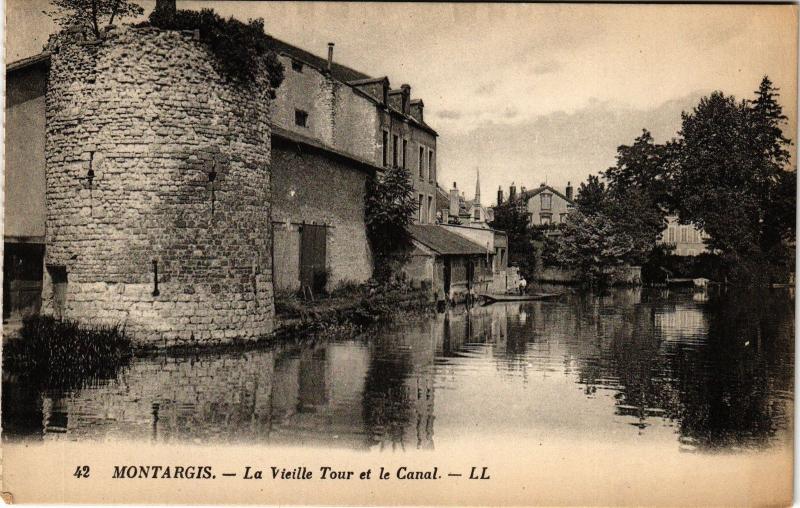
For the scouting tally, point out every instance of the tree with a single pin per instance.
(512, 218)
(591, 196)
(639, 192)
(591, 245)
(92, 15)
(731, 178)
(389, 209)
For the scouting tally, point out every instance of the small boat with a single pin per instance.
(489, 299)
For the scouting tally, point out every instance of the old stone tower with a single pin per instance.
(157, 189)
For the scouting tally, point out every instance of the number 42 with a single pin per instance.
(81, 472)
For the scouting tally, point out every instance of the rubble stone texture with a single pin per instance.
(180, 159)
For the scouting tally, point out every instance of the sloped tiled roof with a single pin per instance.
(338, 71)
(531, 193)
(444, 242)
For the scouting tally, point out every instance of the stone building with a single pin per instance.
(450, 265)
(157, 187)
(144, 186)
(333, 129)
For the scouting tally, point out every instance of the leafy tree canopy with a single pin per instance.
(92, 15)
(389, 208)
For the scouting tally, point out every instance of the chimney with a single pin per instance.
(454, 201)
(499, 195)
(416, 109)
(569, 191)
(512, 192)
(406, 98)
(330, 56)
(166, 9)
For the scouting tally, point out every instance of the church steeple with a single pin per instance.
(478, 187)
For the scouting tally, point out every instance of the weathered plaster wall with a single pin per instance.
(24, 157)
(314, 188)
(149, 113)
(338, 115)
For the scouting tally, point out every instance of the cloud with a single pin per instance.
(486, 88)
(558, 147)
(547, 67)
(449, 114)
(510, 112)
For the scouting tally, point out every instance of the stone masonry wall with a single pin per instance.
(149, 113)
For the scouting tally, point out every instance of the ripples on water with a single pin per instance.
(704, 373)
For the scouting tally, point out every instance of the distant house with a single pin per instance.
(546, 205)
(687, 239)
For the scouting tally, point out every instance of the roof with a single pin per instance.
(531, 193)
(283, 136)
(43, 57)
(346, 75)
(338, 71)
(444, 242)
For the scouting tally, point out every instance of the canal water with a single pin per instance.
(696, 372)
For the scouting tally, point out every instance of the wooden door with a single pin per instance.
(313, 251)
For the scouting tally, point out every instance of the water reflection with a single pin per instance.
(706, 373)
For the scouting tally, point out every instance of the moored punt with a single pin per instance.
(489, 299)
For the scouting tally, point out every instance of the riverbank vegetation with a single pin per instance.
(64, 354)
(350, 305)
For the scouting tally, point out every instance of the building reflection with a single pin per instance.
(717, 371)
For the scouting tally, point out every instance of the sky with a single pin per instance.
(526, 93)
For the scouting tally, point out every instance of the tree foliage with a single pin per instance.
(389, 209)
(592, 245)
(92, 15)
(241, 48)
(512, 218)
(591, 196)
(732, 179)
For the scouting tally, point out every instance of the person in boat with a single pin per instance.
(522, 285)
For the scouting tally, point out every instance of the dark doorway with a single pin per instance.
(447, 275)
(313, 247)
(22, 279)
(470, 274)
(58, 275)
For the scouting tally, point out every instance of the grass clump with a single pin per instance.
(63, 354)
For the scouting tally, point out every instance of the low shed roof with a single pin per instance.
(444, 242)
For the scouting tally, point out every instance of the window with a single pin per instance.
(394, 151)
(477, 214)
(683, 234)
(420, 161)
(671, 230)
(431, 211)
(385, 148)
(405, 147)
(431, 174)
(297, 66)
(547, 201)
(300, 118)
(421, 209)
